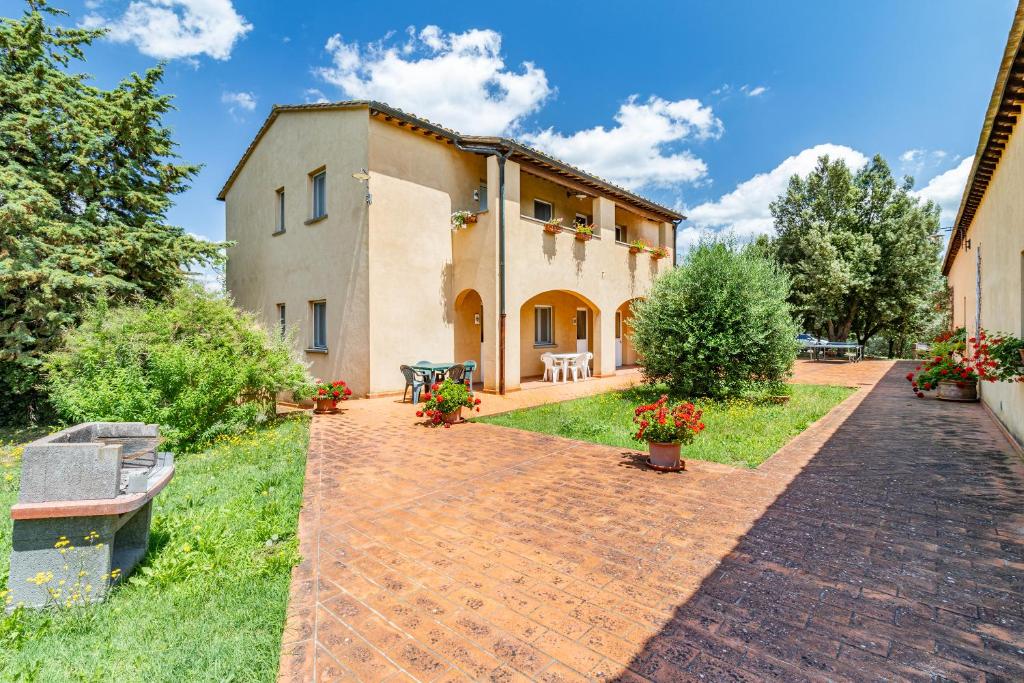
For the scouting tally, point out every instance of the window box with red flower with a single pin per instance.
(584, 232)
(637, 246)
(666, 428)
(659, 253)
(553, 226)
(443, 404)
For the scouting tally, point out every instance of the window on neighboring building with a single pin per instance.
(582, 219)
(543, 327)
(319, 325)
(319, 203)
(620, 233)
(282, 320)
(542, 211)
(481, 197)
(279, 206)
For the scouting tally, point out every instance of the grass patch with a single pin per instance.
(739, 432)
(208, 602)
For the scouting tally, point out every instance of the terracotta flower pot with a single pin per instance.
(325, 405)
(452, 417)
(665, 456)
(552, 229)
(472, 218)
(635, 250)
(950, 390)
(584, 236)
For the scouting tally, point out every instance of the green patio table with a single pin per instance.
(431, 370)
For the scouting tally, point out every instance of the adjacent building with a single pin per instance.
(984, 260)
(341, 219)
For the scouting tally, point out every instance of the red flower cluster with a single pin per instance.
(662, 423)
(446, 398)
(953, 361)
(335, 391)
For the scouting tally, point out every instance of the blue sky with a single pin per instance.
(706, 106)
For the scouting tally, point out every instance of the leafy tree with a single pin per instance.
(194, 364)
(859, 251)
(718, 324)
(86, 179)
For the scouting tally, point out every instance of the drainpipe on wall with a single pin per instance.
(502, 153)
(675, 238)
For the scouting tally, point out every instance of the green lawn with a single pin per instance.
(738, 432)
(208, 603)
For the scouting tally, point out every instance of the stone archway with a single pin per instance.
(556, 321)
(469, 330)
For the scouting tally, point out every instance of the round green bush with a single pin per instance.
(195, 365)
(718, 325)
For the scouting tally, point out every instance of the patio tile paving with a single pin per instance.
(886, 541)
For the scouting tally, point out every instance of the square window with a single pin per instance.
(543, 329)
(319, 205)
(319, 325)
(542, 210)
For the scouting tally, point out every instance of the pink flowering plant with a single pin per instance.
(955, 358)
(444, 398)
(660, 422)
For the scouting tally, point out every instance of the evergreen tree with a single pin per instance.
(86, 178)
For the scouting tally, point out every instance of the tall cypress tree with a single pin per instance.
(86, 179)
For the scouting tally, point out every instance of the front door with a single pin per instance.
(618, 339)
(582, 332)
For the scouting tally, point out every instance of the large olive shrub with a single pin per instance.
(718, 325)
(195, 364)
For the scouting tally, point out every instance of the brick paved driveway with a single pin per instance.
(884, 542)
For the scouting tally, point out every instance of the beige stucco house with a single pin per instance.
(984, 260)
(340, 216)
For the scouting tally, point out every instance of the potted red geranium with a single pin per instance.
(666, 428)
(953, 370)
(637, 246)
(326, 396)
(553, 226)
(659, 253)
(444, 402)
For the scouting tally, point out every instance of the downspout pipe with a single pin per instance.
(502, 153)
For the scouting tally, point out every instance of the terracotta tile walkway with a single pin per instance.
(886, 541)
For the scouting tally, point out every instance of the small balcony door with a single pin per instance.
(582, 331)
(618, 339)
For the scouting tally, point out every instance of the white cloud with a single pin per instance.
(314, 96)
(725, 91)
(175, 29)
(642, 148)
(238, 100)
(916, 161)
(946, 190)
(455, 79)
(745, 210)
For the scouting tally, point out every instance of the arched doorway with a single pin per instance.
(625, 352)
(556, 321)
(469, 330)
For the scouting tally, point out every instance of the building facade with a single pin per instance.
(340, 215)
(984, 260)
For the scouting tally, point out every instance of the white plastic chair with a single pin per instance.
(577, 366)
(586, 366)
(551, 368)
